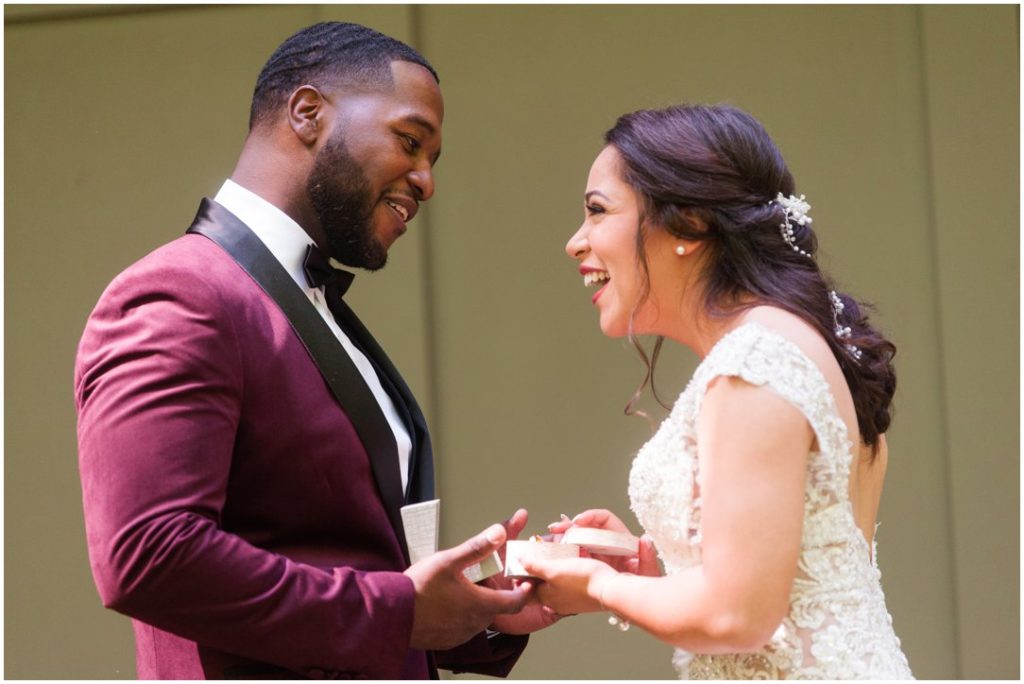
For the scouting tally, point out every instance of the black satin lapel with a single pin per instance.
(346, 384)
(421, 465)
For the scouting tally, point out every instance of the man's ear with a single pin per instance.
(306, 113)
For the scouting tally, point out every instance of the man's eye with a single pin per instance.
(414, 144)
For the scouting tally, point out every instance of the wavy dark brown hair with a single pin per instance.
(718, 164)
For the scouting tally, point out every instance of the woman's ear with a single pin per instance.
(694, 223)
(306, 113)
(686, 248)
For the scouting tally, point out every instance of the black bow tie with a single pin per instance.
(320, 273)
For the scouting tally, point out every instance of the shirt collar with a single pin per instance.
(285, 238)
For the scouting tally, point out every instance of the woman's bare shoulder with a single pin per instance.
(795, 329)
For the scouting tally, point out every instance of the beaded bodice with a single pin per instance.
(838, 626)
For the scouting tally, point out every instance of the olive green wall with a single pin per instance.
(900, 124)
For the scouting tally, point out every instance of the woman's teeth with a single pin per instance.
(595, 277)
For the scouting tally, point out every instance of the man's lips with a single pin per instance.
(403, 205)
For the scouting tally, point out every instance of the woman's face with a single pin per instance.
(605, 246)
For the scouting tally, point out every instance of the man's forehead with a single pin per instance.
(412, 75)
(421, 121)
(404, 65)
(378, 80)
(419, 93)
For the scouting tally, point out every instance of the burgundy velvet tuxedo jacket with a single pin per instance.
(240, 484)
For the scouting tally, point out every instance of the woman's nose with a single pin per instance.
(577, 246)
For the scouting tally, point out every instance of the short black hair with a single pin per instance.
(329, 51)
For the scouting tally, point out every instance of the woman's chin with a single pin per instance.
(613, 328)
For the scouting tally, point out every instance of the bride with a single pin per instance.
(761, 488)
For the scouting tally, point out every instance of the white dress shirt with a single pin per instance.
(287, 241)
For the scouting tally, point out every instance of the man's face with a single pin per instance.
(376, 165)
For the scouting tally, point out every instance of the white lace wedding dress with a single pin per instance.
(838, 626)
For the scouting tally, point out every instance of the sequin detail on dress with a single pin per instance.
(838, 626)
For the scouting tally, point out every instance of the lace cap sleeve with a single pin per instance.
(767, 359)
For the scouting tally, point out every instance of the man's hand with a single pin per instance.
(449, 608)
(534, 617)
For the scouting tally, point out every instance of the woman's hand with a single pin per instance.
(570, 586)
(644, 563)
(595, 517)
(534, 616)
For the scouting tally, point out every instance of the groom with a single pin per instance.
(245, 445)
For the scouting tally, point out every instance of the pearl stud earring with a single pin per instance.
(680, 250)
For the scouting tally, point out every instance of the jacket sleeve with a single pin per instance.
(488, 653)
(158, 387)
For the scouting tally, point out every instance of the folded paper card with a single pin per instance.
(516, 551)
(596, 541)
(422, 522)
(484, 569)
(605, 542)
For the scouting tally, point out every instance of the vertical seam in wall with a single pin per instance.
(940, 337)
(427, 289)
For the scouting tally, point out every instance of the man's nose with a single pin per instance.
(422, 180)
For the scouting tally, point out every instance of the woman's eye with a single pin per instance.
(594, 209)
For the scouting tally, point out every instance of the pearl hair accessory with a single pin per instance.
(796, 209)
(680, 250)
(842, 332)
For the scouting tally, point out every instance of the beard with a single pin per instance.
(340, 193)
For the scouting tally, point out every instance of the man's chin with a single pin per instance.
(370, 257)
(378, 264)
(377, 257)
(364, 262)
